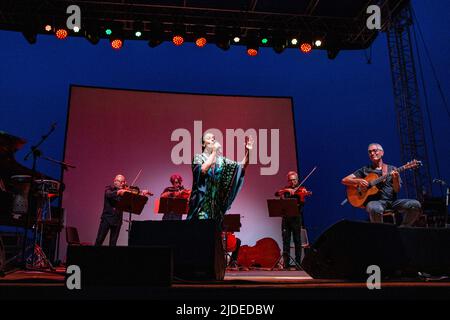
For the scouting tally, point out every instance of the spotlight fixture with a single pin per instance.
(252, 51)
(48, 28)
(305, 47)
(156, 34)
(178, 34)
(223, 37)
(294, 41)
(139, 29)
(116, 43)
(318, 43)
(76, 29)
(279, 41)
(199, 34)
(236, 39)
(61, 34)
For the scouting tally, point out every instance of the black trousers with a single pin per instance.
(292, 226)
(105, 226)
(234, 255)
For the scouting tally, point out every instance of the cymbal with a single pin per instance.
(10, 143)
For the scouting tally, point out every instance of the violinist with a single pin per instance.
(111, 219)
(177, 190)
(292, 225)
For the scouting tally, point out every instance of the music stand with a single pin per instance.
(173, 205)
(284, 208)
(230, 223)
(131, 203)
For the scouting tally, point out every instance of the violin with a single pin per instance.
(136, 190)
(299, 191)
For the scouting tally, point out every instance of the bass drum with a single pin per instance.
(47, 188)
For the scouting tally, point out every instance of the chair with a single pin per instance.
(388, 214)
(73, 239)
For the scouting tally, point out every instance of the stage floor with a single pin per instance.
(256, 285)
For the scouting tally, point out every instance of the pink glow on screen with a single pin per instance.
(120, 131)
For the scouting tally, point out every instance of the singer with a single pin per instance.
(216, 180)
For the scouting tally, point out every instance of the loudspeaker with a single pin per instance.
(427, 249)
(197, 246)
(347, 248)
(2, 257)
(122, 266)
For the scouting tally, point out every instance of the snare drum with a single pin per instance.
(20, 187)
(47, 188)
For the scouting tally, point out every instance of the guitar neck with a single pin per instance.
(385, 176)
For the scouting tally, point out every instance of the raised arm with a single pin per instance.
(248, 147)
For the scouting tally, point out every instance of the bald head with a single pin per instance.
(119, 181)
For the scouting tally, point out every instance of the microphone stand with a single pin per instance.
(36, 153)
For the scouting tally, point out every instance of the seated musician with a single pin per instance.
(177, 190)
(111, 219)
(386, 198)
(291, 225)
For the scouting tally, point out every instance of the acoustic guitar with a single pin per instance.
(357, 195)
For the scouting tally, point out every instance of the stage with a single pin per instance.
(238, 286)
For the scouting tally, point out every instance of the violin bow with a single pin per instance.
(137, 176)
(314, 169)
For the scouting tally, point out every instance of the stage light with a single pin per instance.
(139, 28)
(318, 43)
(156, 34)
(92, 32)
(76, 29)
(61, 34)
(236, 39)
(200, 42)
(306, 47)
(294, 41)
(116, 44)
(264, 40)
(48, 28)
(252, 52)
(222, 38)
(199, 36)
(108, 31)
(177, 40)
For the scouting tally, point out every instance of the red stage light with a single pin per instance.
(116, 44)
(178, 40)
(252, 52)
(61, 34)
(305, 47)
(200, 42)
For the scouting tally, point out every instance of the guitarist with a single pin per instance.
(386, 198)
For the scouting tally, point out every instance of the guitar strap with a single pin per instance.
(384, 169)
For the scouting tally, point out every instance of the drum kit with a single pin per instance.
(44, 191)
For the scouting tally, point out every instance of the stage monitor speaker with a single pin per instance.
(122, 266)
(427, 250)
(197, 246)
(347, 248)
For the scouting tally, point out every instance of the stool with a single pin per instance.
(388, 213)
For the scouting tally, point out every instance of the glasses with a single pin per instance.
(373, 151)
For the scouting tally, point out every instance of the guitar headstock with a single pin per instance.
(413, 164)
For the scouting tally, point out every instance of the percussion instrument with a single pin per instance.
(20, 187)
(47, 188)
